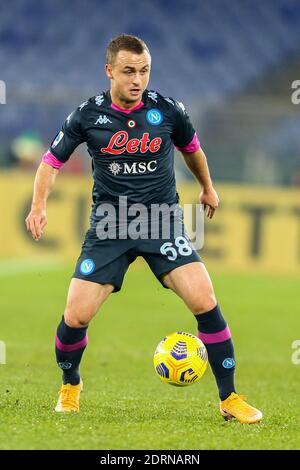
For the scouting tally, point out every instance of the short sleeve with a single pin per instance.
(183, 132)
(70, 136)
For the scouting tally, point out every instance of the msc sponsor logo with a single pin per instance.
(120, 143)
(134, 168)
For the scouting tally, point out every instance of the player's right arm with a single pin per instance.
(43, 184)
(59, 152)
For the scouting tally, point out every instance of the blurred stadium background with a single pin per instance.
(232, 63)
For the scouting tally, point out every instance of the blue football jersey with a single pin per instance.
(132, 151)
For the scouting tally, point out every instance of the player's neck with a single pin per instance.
(122, 103)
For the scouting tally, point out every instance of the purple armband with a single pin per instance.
(49, 158)
(193, 146)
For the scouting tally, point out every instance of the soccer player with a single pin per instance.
(130, 133)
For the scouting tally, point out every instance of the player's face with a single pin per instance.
(129, 75)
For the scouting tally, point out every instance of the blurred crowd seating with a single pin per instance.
(207, 53)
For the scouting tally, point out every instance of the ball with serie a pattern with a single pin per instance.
(180, 359)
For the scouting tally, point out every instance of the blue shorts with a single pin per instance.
(105, 261)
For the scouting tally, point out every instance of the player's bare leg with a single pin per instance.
(83, 301)
(192, 283)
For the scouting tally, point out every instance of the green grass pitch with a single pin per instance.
(125, 405)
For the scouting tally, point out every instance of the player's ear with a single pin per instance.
(108, 71)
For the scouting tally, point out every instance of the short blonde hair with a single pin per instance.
(125, 42)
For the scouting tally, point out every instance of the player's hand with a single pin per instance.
(210, 199)
(35, 222)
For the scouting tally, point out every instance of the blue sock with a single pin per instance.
(70, 344)
(215, 334)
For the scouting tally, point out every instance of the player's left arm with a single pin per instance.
(197, 163)
(186, 141)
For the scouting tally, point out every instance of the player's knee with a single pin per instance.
(74, 321)
(78, 319)
(204, 303)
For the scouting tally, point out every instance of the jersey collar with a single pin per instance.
(124, 110)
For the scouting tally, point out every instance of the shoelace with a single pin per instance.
(241, 402)
(236, 397)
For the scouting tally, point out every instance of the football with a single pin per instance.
(180, 359)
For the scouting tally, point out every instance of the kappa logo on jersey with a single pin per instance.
(99, 100)
(133, 168)
(87, 267)
(103, 119)
(169, 100)
(57, 139)
(181, 105)
(83, 105)
(153, 96)
(69, 117)
(120, 142)
(154, 117)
